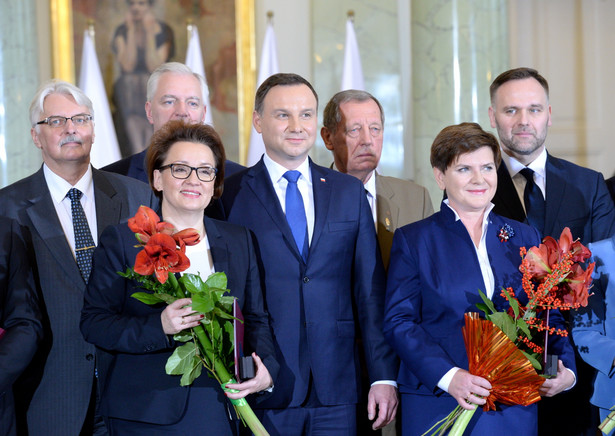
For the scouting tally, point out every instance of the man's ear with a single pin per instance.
(327, 138)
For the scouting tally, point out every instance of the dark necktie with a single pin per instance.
(534, 201)
(84, 244)
(295, 212)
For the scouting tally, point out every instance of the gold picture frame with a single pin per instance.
(63, 60)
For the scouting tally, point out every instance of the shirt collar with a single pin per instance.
(276, 171)
(59, 187)
(485, 216)
(370, 186)
(538, 165)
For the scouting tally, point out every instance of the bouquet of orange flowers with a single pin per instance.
(208, 345)
(507, 348)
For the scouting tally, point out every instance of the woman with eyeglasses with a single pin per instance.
(186, 170)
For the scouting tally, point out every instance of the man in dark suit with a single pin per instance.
(321, 268)
(62, 209)
(21, 329)
(353, 129)
(568, 196)
(174, 92)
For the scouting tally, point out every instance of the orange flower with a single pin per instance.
(146, 222)
(161, 256)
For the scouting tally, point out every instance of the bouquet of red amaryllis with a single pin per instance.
(507, 348)
(208, 345)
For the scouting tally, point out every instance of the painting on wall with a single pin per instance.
(133, 37)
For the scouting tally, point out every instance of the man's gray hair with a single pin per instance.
(174, 68)
(332, 115)
(56, 86)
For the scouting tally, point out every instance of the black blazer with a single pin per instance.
(576, 197)
(132, 348)
(20, 317)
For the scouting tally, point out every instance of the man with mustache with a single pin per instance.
(550, 194)
(62, 209)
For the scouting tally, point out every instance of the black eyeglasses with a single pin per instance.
(181, 171)
(59, 121)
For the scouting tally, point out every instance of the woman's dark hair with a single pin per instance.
(179, 131)
(459, 139)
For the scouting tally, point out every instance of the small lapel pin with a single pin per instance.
(322, 179)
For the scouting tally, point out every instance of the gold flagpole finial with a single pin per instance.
(189, 26)
(350, 14)
(269, 16)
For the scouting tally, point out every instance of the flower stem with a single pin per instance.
(221, 374)
(608, 424)
(462, 422)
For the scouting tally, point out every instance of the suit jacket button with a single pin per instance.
(306, 279)
(89, 357)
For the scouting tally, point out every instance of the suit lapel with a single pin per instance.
(45, 220)
(217, 244)
(108, 208)
(555, 187)
(322, 196)
(506, 199)
(259, 181)
(387, 211)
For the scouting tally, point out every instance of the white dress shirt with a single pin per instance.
(58, 188)
(304, 183)
(488, 279)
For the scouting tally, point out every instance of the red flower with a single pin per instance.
(186, 237)
(578, 282)
(161, 256)
(146, 222)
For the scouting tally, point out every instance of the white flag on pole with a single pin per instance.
(268, 67)
(105, 149)
(352, 75)
(194, 60)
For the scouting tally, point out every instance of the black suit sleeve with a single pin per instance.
(20, 315)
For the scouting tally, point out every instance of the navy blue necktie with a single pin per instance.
(534, 201)
(84, 244)
(295, 212)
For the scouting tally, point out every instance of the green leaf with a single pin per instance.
(535, 363)
(222, 314)
(487, 302)
(506, 324)
(202, 303)
(513, 302)
(189, 376)
(181, 361)
(183, 336)
(146, 298)
(193, 283)
(484, 308)
(217, 280)
(522, 325)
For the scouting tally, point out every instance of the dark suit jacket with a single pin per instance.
(134, 166)
(610, 183)
(576, 197)
(20, 317)
(433, 279)
(317, 307)
(59, 381)
(132, 347)
(399, 202)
